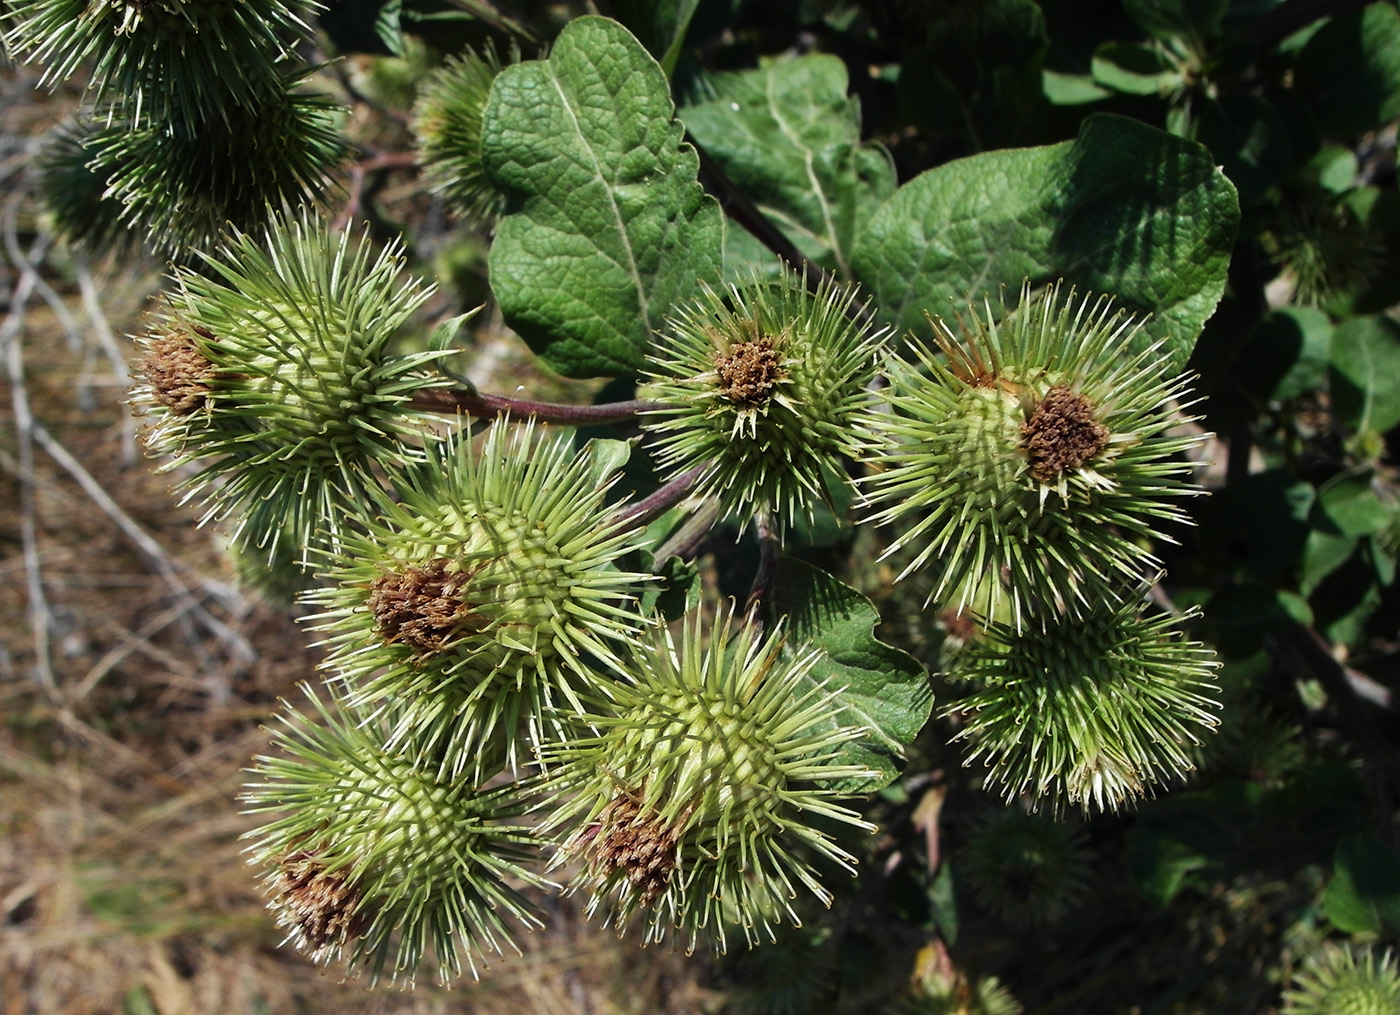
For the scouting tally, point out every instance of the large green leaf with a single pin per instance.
(788, 137)
(660, 25)
(606, 228)
(1192, 20)
(884, 689)
(1365, 359)
(1364, 895)
(1123, 209)
(1348, 74)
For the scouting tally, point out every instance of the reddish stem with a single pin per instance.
(659, 502)
(485, 406)
(388, 160)
(770, 548)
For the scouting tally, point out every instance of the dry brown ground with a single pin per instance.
(134, 677)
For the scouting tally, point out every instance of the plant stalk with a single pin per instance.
(459, 400)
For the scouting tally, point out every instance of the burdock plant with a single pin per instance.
(760, 387)
(507, 604)
(704, 798)
(270, 373)
(485, 605)
(490, 610)
(1032, 463)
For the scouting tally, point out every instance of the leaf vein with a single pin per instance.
(631, 262)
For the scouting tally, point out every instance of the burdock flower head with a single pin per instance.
(180, 188)
(1345, 980)
(84, 213)
(447, 122)
(761, 386)
(699, 803)
(174, 60)
(271, 372)
(375, 859)
(1027, 869)
(1093, 711)
(1034, 452)
(488, 600)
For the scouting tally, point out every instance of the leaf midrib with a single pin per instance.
(807, 158)
(631, 265)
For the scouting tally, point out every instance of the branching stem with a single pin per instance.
(473, 403)
(662, 500)
(691, 534)
(770, 547)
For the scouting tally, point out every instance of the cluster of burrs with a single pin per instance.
(498, 684)
(501, 684)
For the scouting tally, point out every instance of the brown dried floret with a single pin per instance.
(321, 907)
(636, 843)
(749, 371)
(1062, 434)
(421, 606)
(178, 371)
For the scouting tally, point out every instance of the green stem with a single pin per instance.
(490, 14)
